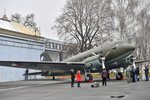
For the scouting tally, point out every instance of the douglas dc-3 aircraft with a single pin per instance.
(110, 55)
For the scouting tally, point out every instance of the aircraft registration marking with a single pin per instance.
(16, 65)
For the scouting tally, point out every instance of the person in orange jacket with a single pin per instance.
(78, 76)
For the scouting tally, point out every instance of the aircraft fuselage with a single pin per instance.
(116, 54)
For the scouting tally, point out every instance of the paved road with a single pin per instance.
(50, 90)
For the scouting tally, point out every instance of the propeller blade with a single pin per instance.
(102, 58)
(107, 54)
(103, 62)
(94, 53)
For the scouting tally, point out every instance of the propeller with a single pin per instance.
(102, 58)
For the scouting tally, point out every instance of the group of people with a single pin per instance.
(78, 77)
(133, 74)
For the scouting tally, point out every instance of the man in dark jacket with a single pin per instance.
(72, 77)
(137, 73)
(146, 73)
(133, 74)
(104, 77)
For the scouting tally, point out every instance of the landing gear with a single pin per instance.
(88, 76)
(26, 74)
(53, 77)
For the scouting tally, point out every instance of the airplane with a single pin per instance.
(110, 55)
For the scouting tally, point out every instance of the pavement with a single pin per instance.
(61, 90)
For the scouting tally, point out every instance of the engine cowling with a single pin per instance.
(130, 60)
(124, 63)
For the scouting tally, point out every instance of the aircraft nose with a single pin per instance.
(130, 47)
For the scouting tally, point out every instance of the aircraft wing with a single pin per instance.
(44, 65)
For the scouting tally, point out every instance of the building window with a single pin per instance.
(58, 46)
(55, 46)
(3, 42)
(51, 45)
(61, 47)
(47, 45)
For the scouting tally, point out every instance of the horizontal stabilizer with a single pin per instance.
(34, 73)
(142, 61)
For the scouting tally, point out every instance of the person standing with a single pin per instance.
(104, 77)
(128, 74)
(146, 73)
(137, 72)
(72, 77)
(78, 78)
(133, 74)
(143, 73)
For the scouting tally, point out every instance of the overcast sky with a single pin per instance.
(45, 12)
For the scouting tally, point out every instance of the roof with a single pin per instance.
(17, 27)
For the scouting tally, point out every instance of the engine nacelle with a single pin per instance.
(93, 63)
(124, 63)
(129, 60)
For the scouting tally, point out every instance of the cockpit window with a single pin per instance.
(115, 46)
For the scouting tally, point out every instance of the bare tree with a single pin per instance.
(125, 14)
(27, 21)
(133, 24)
(143, 34)
(83, 21)
(16, 17)
(71, 49)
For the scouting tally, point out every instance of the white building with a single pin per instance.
(18, 43)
